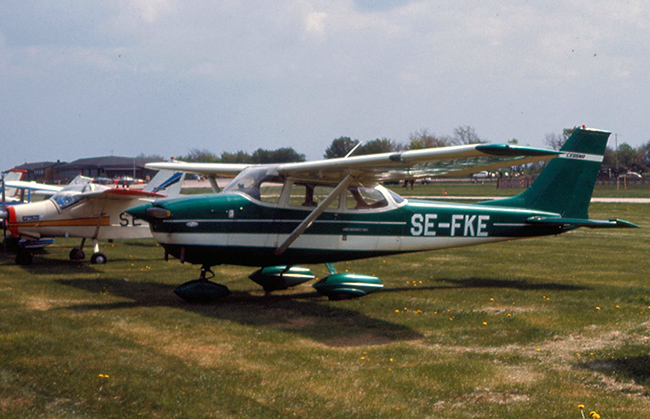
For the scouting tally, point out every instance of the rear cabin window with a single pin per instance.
(359, 198)
(310, 195)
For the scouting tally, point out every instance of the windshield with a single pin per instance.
(71, 194)
(65, 199)
(260, 183)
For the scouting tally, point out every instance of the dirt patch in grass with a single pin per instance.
(9, 403)
(205, 354)
(362, 339)
(482, 396)
(294, 323)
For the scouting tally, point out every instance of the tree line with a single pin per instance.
(624, 158)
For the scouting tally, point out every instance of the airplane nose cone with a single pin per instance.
(150, 212)
(157, 213)
(139, 211)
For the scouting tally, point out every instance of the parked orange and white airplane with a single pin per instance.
(84, 210)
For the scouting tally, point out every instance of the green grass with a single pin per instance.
(530, 328)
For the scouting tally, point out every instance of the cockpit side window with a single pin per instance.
(270, 191)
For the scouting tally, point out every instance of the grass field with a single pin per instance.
(521, 329)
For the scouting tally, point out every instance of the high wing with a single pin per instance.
(207, 169)
(430, 162)
(45, 189)
(121, 193)
(33, 186)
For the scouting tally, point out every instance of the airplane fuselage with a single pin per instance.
(82, 218)
(236, 229)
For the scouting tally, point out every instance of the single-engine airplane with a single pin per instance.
(86, 210)
(277, 216)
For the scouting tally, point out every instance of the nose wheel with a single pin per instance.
(202, 290)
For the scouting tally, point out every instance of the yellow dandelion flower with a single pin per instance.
(484, 323)
(597, 308)
(594, 415)
(581, 406)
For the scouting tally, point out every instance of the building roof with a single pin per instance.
(39, 165)
(108, 161)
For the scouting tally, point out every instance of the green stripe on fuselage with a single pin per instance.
(233, 214)
(231, 229)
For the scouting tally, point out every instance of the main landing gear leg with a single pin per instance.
(202, 290)
(77, 253)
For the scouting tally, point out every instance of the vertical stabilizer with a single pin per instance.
(166, 182)
(566, 184)
(11, 176)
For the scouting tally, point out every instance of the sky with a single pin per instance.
(163, 77)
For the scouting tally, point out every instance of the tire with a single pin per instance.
(77, 253)
(98, 258)
(24, 257)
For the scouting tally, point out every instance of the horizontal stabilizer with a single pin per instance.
(582, 222)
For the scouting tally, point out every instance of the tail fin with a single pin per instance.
(11, 176)
(566, 184)
(167, 182)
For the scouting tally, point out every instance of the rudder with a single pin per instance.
(566, 184)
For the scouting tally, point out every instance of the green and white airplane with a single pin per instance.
(278, 216)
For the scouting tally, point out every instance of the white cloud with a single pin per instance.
(315, 24)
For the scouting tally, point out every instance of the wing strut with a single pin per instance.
(313, 215)
(213, 183)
